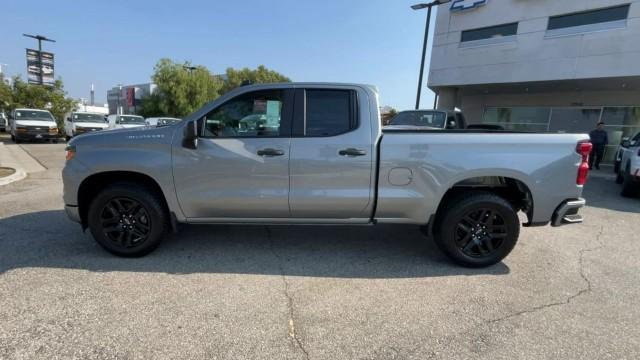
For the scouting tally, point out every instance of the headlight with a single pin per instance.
(79, 129)
(71, 152)
(53, 130)
(21, 129)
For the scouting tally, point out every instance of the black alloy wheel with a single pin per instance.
(125, 222)
(128, 219)
(477, 228)
(480, 232)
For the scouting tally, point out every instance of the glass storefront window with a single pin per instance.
(621, 121)
(517, 115)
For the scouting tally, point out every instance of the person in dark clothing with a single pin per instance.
(599, 139)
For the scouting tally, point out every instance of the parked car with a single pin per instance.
(3, 122)
(628, 166)
(328, 161)
(125, 121)
(33, 124)
(161, 121)
(79, 122)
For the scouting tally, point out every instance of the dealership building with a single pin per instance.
(540, 65)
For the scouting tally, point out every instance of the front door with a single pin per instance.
(331, 156)
(240, 168)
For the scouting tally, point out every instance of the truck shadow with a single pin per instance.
(48, 239)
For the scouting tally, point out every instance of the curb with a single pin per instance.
(16, 176)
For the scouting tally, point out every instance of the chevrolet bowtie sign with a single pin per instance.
(459, 5)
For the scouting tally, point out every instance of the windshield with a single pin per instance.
(94, 118)
(34, 115)
(130, 119)
(433, 119)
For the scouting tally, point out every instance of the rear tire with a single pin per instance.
(477, 229)
(127, 220)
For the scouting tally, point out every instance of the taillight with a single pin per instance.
(584, 149)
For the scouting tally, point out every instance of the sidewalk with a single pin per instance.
(13, 156)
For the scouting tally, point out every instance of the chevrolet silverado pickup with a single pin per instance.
(313, 153)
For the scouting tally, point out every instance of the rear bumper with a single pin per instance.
(567, 212)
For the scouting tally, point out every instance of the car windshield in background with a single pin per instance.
(97, 118)
(132, 120)
(167, 121)
(33, 115)
(433, 119)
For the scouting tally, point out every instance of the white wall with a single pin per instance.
(532, 56)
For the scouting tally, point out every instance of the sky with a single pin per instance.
(376, 42)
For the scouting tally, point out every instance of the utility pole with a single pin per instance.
(428, 6)
(40, 39)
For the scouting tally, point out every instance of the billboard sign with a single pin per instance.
(33, 67)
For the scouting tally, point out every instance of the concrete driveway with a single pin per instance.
(242, 292)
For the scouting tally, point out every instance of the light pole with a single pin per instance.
(428, 6)
(40, 39)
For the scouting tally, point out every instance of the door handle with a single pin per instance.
(352, 152)
(270, 152)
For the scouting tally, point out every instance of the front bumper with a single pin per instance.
(37, 136)
(567, 212)
(73, 213)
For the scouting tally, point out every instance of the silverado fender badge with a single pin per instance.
(153, 136)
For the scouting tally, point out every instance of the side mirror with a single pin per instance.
(69, 119)
(625, 142)
(452, 124)
(190, 138)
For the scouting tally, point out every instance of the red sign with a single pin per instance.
(131, 96)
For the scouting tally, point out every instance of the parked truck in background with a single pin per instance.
(33, 125)
(80, 122)
(116, 121)
(321, 157)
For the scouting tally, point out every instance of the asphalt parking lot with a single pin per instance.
(255, 292)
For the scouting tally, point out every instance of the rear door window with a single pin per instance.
(329, 112)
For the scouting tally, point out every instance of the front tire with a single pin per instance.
(127, 220)
(478, 229)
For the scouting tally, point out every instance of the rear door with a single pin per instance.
(331, 161)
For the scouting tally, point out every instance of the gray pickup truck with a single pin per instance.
(310, 153)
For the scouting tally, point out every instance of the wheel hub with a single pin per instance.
(125, 222)
(480, 232)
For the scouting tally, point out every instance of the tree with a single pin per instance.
(180, 91)
(183, 88)
(261, 75)
(52, 98)
(6, 96)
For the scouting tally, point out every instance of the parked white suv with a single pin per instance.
(125, 121)
(33, 124)
(79, 122)
(629, 169)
